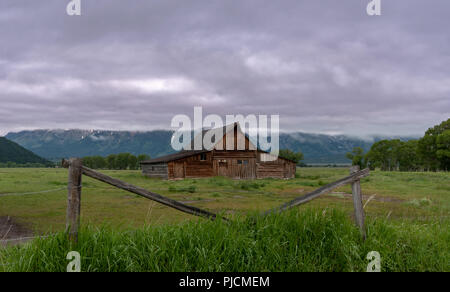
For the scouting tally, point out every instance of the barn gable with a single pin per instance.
(234, 155)
(229, 137)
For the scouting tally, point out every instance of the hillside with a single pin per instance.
(56, 144)
(13, 152)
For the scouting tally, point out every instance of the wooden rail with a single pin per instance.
(353, 179)
(320, 191)
(76, 170)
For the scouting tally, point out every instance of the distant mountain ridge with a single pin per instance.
(57, 144)
(13, 152)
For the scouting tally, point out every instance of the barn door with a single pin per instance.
(178, 170)
(246, 168)
(223, 168)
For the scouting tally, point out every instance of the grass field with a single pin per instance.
(407, 219)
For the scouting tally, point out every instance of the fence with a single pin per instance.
(77, 170)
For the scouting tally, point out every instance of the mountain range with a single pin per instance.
(13, 152)
(57, 144)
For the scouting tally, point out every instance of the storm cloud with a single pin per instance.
(323, 65)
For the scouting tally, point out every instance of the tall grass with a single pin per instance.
(308, 240)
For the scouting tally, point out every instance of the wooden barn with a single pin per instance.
(221, 160)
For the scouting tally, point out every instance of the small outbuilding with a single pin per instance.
(221, 160)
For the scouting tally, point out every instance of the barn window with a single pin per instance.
(245, 161)
(153, 168)
(239, 161)
(203, 156)
(242, 162)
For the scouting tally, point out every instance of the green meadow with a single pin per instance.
(406, 214)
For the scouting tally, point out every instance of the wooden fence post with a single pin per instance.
(74, 198)
(357, 202)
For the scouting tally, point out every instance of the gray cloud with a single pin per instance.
(324, 66)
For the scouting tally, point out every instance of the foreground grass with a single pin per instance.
(307, 240)
(400, 196)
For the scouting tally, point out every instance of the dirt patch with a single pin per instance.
(10, 230)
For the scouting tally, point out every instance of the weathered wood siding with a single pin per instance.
(238, 142)
(191, 167)
(247, 163)
(196, 167)
(280, 168)
(270, 169)
(155, 170)
(235, 164)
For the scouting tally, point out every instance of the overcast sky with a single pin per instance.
(323, 65)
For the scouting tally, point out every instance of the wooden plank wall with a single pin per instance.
(222, 143)
(225, 163)
(191, 167)
(195, 167)
(270, 169)
(155, 170)
(233, 169)
(277, 169)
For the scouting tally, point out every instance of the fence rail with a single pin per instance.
(321, 191)
(77, 170)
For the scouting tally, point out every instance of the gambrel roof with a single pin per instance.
(186, 153)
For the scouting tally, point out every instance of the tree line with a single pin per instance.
(297, 157)
(11, 164)
(429, 153)
(115, 161)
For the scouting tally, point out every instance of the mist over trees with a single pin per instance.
(119, 161)
(429, 153)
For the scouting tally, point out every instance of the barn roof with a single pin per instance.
(187, 153)
(174, 156)
(216, 131)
